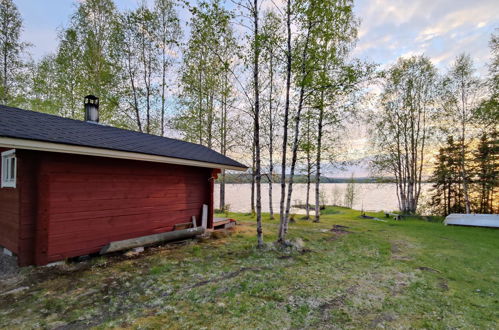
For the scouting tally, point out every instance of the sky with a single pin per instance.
(439, 29)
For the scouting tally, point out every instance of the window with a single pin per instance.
(9, 169)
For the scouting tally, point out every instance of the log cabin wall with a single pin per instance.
(27, 167)
(9, 215)
(18, 208)
(86, 202)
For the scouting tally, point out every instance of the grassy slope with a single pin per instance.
(398, 274)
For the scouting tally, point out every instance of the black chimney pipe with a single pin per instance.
(91, 103)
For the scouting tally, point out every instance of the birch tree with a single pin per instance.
(487, 114)
(250, 14)
(94, 22)
(271, 54)
(11, 49)
(69, 70)
(256, 47)
(281, 238)
(44, 87)
(327, 30)
(335, 80)
(167, 34)
(308, 148)
(402, 126)
(200, 73)
(227, 117)
(139, 56)
(307, 22)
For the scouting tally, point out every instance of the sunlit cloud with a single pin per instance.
(438, 29)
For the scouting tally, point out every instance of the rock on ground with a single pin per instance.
(8, 266)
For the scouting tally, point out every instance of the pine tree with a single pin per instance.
(486, 164)
(461, 95)
(447, 189)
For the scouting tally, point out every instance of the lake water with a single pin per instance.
(370, 196)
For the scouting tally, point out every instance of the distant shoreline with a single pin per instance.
(246, 178)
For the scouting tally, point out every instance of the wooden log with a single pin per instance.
(151, 239)
(194, 224)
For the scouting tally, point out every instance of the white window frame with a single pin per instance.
(8, 178)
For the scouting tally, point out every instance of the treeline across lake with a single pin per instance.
(235, 178)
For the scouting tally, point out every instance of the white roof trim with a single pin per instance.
(100, 152)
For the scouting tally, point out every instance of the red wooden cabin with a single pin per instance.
(70, 187)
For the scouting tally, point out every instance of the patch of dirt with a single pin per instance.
(228, 276)
(339, 231)
(382, 318)
(428, 269)
(442, 284)
(284, 257)
(398, 248)
(395, 248)
(335, 303)
(401, 282)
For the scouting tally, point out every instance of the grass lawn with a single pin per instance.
(396, 274)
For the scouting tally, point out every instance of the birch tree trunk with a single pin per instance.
(282, 217)
(309, 169)
(271, 134)
(318, 160)
(253, 175)
(463, 148)
(256, 69)
(294, 155)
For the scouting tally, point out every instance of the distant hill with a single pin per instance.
(246, 178)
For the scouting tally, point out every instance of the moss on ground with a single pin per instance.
(363, 273)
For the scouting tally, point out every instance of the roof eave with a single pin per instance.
(16, 143)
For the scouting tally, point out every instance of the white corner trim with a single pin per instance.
(99, 152)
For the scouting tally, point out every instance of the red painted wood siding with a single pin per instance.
(9, 216)
(27, 167)
(86, 202)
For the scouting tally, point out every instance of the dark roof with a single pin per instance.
(24, 124)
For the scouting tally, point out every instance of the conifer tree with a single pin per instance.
(486, 165)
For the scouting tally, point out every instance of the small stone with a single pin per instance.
(298, 243)
(54, 264)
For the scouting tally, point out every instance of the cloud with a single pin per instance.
(468, 17)
(439, 29)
